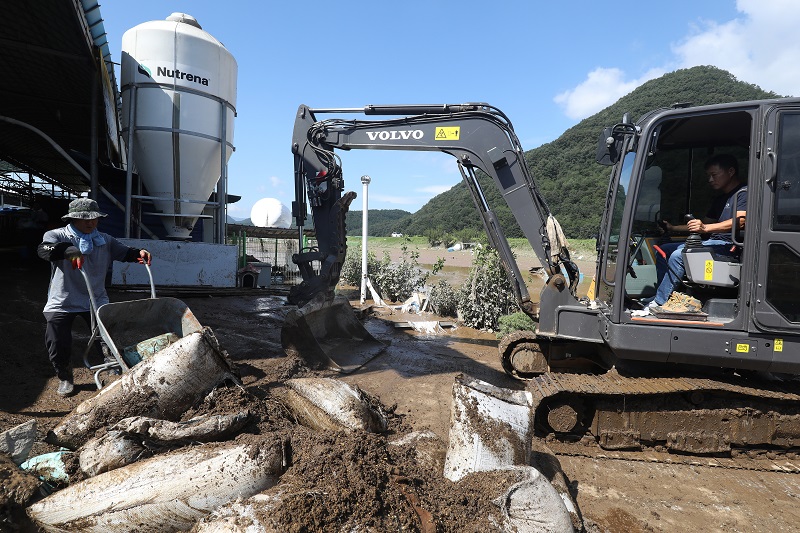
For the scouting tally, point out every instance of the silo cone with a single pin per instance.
(181, 83)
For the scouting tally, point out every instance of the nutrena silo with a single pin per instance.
(178, 106)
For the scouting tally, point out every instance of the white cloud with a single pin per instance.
(389, 199)
(276, 181)
(760, 46)
(435, 189)
(602, 87)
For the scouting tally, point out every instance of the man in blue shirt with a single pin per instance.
(723, 176)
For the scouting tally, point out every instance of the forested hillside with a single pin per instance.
(573, 184)
(382, 222)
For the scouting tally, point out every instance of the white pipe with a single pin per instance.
(364, 225)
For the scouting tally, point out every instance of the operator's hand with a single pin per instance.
(74, 255)
(696, 226)
(144, 257)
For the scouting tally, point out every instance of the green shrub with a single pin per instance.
(518, 321)
(443, 299)
(398, 281)
(351, 268)
(486, 295)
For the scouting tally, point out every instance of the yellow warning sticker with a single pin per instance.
(449, 133)
(742, 347)
(777, 345)
(708, 275)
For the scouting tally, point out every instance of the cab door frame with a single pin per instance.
(779, 243)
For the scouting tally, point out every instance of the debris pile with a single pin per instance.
(178, 444)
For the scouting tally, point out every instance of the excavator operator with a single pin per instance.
(722, 171)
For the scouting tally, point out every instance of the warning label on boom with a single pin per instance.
(450, 133)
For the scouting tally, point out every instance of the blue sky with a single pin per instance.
(547, 65)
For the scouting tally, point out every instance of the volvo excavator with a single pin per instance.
(718, 382)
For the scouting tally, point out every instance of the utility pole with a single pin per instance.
(364, 224)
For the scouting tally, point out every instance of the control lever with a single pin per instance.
(694, 240)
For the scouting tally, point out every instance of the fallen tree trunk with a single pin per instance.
(165, 493)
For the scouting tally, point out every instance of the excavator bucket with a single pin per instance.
(326, 333)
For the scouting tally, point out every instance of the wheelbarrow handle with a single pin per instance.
(152, 284)
(93, 302)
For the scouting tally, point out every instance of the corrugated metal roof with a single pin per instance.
(50, 57)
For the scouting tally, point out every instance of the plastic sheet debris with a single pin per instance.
(427, 327)
(18, 441)
(164, 493)
(49, 467)
(142, 351)
(490, 428)
(331, 404)
(416, 303)
(163, 387)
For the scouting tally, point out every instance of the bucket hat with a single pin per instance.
(83, 209)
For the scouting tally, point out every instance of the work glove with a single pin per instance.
(74, 255)
(144, 257)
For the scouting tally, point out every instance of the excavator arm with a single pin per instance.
(478, 135)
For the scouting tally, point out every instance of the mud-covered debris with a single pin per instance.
(168, 492)
(332, 404)
(18, 441)
(532, 505)
(17, 489)
(138, 437)
(163, 387)
(490, 428)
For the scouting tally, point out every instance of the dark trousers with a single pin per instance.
(58, 339)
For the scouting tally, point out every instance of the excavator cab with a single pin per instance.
(746, 314)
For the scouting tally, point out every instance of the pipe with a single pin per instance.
(364, 226)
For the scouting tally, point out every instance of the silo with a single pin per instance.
(178, 106)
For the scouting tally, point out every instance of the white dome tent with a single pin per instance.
(270, 213)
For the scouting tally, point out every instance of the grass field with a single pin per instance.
(579, 248)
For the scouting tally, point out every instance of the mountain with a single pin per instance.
(572, 183)
(382, 222)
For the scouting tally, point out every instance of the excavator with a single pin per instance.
(720, 381)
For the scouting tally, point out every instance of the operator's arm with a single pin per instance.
(684, 228)
(699, 226)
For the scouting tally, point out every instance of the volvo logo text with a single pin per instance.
(395, 135)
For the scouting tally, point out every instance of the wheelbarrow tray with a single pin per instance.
(122, 324)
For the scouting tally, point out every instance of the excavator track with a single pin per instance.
(690, 420)
(760, 461)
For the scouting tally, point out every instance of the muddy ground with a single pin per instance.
(368, 485)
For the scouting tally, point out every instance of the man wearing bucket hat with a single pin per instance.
(76, 246)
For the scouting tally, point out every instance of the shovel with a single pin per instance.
(326, 333)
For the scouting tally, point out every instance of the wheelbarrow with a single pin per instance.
(135, 330)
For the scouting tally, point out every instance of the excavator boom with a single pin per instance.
(479, 136)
